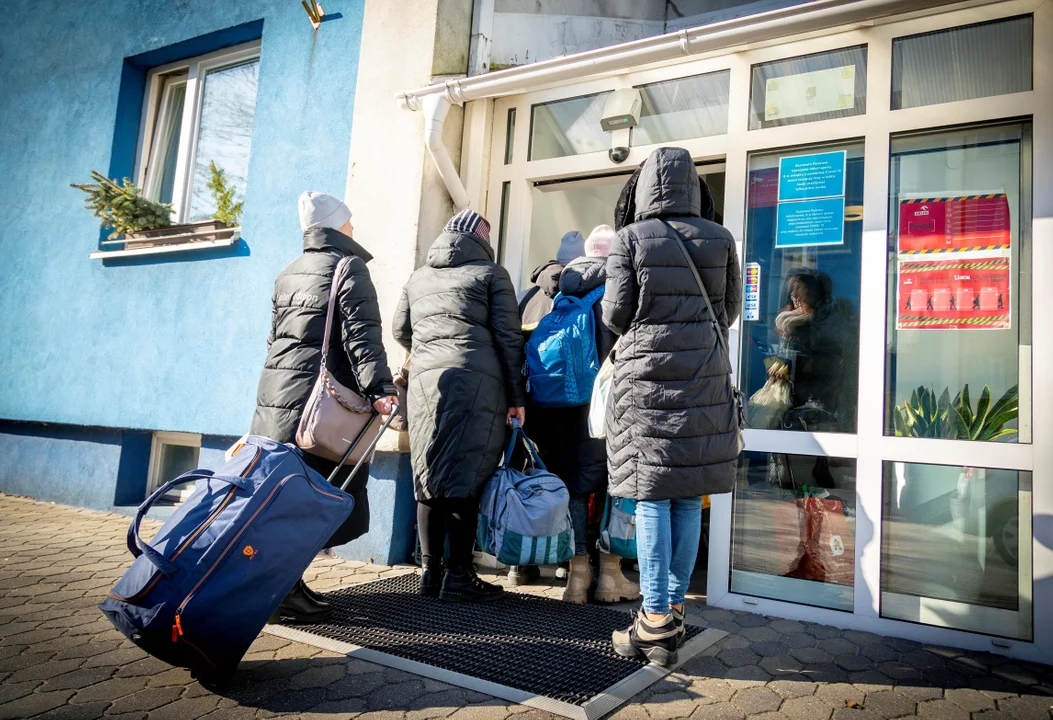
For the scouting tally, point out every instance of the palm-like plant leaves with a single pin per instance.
(925, 416)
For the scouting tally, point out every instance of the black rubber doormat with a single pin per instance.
(530, 650)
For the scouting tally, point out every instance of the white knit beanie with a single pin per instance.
(599, 242)
(319, 210)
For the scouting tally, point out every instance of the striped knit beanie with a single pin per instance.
(469, 221)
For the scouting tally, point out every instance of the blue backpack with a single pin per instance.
(618, 528)
(524, 517)
(561, 357)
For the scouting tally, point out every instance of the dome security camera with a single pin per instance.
(618, 154)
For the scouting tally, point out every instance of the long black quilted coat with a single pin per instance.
(294, 346)
(459, 319)
(671, 422)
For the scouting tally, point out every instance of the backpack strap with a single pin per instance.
(595, 294)
(702, 290)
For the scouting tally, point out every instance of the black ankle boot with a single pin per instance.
(313, 594)
(298, 607)
(431, 578)
(461, 584)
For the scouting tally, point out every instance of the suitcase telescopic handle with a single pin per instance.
(354, 443)
(138, 546)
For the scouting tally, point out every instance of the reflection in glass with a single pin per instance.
(793, 529)
(962, 63)
(502, 228)
(568, 127)
(954, 536)
(684, 108)
(959, 315)
(800, 350)
(510, 135)
(166, 152)
(225, 133)
(812, 87)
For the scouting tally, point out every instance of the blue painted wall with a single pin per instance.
(174, 345)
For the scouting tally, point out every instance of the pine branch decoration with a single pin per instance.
(123, 208)
(227, 211)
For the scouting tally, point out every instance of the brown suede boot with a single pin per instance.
(579, 579)
(613, 586)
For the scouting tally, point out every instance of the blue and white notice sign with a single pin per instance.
(811, 207)
(810, 222)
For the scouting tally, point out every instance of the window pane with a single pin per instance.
(958, 322)
(812, 87)
(793, 529)
(568, 127)
(176, 460)
(962, 63)
(166, 143)
(800, 321)
(224, 133)
(502, 228)
(510, 135)
(954, 541)
(684, 108)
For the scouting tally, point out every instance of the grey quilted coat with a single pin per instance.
(671, 420)
(459, 319)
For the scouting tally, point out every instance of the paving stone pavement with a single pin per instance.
(59, 658)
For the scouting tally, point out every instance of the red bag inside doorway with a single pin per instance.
(827, 549)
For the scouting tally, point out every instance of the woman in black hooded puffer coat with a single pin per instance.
(672, 417)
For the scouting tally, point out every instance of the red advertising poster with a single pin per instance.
(960, 223)
(764, 188)
(970, 294)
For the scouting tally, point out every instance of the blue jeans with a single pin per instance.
(667, 535)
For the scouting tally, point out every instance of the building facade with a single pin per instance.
(886, 166)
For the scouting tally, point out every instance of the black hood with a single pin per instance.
(582, 275)
(452, 249)
(329, 239)
(546, 277)
(671, 187)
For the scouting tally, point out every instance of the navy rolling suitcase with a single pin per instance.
(200, 591)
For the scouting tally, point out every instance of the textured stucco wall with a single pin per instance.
(175, 344)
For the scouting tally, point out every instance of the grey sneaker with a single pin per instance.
(678, 620)
(655, 641)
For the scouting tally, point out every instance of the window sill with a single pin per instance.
(179, 238)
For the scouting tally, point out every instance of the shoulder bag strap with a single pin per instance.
(702, 289)
(334, 290)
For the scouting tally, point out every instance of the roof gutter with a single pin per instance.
(436, 99)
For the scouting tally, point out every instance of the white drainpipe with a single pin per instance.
(436, 99)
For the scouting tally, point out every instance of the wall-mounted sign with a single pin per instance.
(954, 294)
(751, 304)
(958, 223)
(810, 93)
(806, 177)
(810, 222)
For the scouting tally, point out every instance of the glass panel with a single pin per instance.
(558, 208)
(510, 135)
(166, 143)
(568, 127)
(956, 549)
(794, 528)
(685, 108)
(176, 460)
(800, 321)
(224, 134)
(502, 229)
(962, 63)
(812, 87)
(959, 320)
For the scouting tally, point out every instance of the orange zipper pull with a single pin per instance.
(179, 626)
(175, 634)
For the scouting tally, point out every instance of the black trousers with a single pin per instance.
(357, 524)
(440, 519)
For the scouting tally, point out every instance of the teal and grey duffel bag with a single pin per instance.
(524, 517)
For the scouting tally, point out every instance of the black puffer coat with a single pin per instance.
(562, 434)
(536, 302)
(672, 428)
(294, 346)
(459, 319)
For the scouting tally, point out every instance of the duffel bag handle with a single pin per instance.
(138, 546)
(532, 452)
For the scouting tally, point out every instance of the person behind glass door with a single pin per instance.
(672, 420)
(459, 320)
(294, 357)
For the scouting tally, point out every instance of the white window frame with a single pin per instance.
(158, 441)
(158, 83)
(486, 128)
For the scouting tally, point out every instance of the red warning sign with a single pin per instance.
(954, 294)
(960, 223)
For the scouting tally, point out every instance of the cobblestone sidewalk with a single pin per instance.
(59, 658)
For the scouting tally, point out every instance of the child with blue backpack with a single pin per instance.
(566, 341)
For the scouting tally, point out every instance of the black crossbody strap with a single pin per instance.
(702, 289)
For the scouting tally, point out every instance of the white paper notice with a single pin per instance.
(810, 93)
